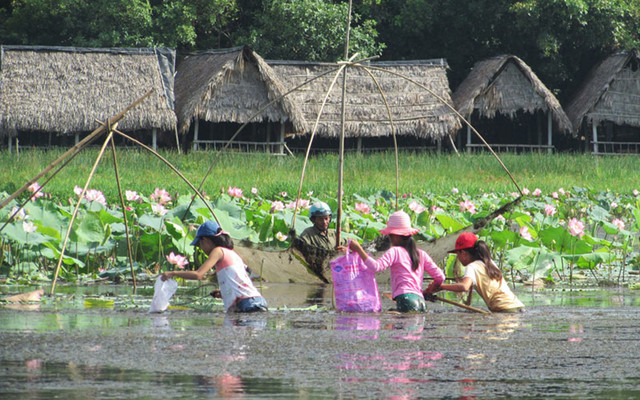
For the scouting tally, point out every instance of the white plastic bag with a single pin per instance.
(162, 292)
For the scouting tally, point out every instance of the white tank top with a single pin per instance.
(234, 282)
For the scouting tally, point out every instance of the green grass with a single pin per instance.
(363, 174)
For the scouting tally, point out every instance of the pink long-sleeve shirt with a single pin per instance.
(403, 278)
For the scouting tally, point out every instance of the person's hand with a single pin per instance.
(166, 275)
(432, 288)
(341, 248)
(354, 246)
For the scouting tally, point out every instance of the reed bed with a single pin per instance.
(365, 174)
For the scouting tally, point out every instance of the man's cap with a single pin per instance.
(319, 209)
(209, 228)
(465, 241)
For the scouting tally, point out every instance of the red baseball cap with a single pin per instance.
(465, 241)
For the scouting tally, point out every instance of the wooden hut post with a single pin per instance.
(549, 131)
(594, 129)
(196, 125)
(281, 139)
(154, 139)
(359, 144)
(468, 139)
(10, 143)
(76, 138)
(269, 148)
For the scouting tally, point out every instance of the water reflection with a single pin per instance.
(409, 327)
(359, 323)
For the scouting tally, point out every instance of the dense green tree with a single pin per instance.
(97, 23)
(311, 30)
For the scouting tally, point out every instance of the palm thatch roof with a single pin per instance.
(230, 85)
(610, 92)
(505, 85)
(65, 89)
(415, 111)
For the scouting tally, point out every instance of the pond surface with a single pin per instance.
(569, 344)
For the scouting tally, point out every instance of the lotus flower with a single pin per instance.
(77, 190)
(537, 192)
(525, 191)
(576, 227)
(19, 213)
(555, 195)
(416, 207)
(158, 209)
(131, 195)
(234, 192)
(177, 260)
(277, 206)
(35, 188)
(160, 196)
(549, 210)
(618, 223)
(254, 190)
(526, 235)
(29, 227)
(467, 205)
(455, 190)
(636, 192)
(281, 237)
(363, 208)
(95, 195)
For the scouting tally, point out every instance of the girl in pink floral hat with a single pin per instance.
(406, 262)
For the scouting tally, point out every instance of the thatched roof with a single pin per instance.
(414, 110)
(65, 89)
(610, 92)
(505, 85)
(230, 85)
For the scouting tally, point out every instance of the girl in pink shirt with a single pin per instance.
(406, 262)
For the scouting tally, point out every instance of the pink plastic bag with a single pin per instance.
(354, 285)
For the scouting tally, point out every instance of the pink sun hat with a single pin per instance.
(399, 223)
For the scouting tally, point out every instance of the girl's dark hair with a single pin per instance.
(480, 251)
(410, 246)
(222, 240)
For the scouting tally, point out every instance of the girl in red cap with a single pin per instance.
(482, 274)
(406, 262)
(236, 288)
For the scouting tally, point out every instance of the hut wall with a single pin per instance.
(620, 104)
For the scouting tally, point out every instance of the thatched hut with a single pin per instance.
(219, 90)
(507, 103)
(608, 105)
(62, 91)
(418, 116)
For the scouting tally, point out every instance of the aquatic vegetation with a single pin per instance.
(547, 236)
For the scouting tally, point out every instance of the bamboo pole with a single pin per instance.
(454, 303)
(341, 154)
(124, 215)
(75, 210)
(93, 135)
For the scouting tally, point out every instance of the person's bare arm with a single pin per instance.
(215, 256)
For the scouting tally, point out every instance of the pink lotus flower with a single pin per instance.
(467, 205)
(500, 218)
(281, 237)
(35, 188)
(537, 192)
(554, 195)
(618, 223)
(526, 235)
(636, 192)
(416, 207)
(234, 192)
(455, 190)
(158, 209)
(29, 227)
(525, 191)
(561, 191)
(363, 208)
(515, 194)
(435, 209)
(160, 196)
(549, 210)
(284, 194)
(177, 260)
(614, 204)
(277, 206)
(95, 195)
(254, 190)
(131, 195)
(576, 227)
(302, 203)
(77, 190)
